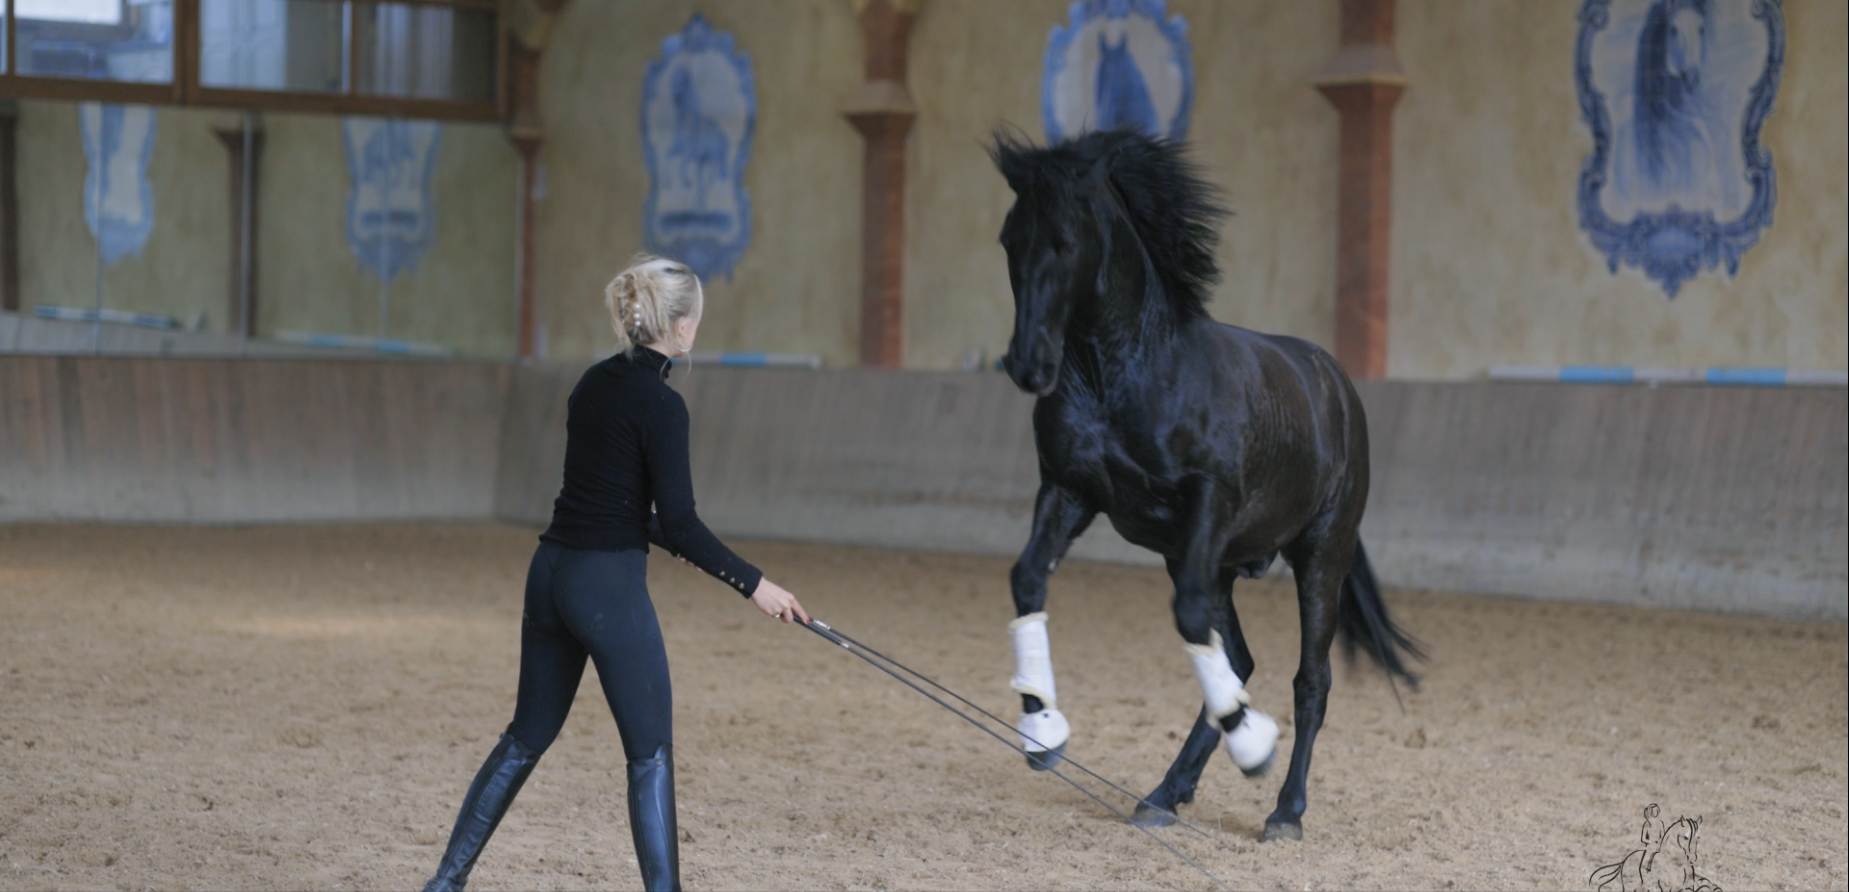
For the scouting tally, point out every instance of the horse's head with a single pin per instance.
(1672, 49)
(1687, 45)
(1117, 53)
(681, 90)
(1058, 242)
(1682, 837)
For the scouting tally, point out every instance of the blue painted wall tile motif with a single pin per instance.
(391, 214)
(1118, 63)
(1675, 93)
(118, 199)
(699, 106)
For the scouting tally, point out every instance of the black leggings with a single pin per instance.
(595, 604)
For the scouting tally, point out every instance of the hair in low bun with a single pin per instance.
(647, 298)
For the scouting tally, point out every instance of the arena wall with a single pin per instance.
(210, 441)
(1726, 499)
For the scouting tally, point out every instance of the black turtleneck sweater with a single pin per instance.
(625, 450)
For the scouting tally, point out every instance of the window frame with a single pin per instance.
(186, 90)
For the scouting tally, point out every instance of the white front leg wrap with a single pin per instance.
(1253, 741)
(1033, 675)
(1033, 659)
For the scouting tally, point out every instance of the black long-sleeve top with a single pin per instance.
(625, 450)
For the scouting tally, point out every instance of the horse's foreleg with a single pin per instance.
(1177, 787)
(1320, 568)
(1059, 517)
(1203, 605)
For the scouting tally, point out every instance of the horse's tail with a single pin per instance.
(1364, 623)
(1605, 876)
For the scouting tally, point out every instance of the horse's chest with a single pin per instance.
(1138, 495)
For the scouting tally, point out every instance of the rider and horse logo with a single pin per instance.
(699, 106)
(1675, 93)
(1666, 863)
(391, 215)
(118, 199)
(1118, 63)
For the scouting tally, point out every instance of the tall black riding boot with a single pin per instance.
(493, 790)
(651, 820)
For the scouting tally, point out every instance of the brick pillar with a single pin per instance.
(527, 144)
(882, 111)
(240, 277)
(9, 208)
(530, 23)
(1363, 82)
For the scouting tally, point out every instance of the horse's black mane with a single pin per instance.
(1174, 210)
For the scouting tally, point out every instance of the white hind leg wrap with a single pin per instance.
(1033, 675)
(1256, 737)
(1221, 689)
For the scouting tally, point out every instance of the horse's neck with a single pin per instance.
(1127, 351)
(1126, 338)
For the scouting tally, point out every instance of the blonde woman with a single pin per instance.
(586, 589)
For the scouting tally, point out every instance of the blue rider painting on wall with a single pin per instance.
(1117, 63)
(699, 105)
(1675, 93)
(118, 198)
(391, 213)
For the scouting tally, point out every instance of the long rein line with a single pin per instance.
(1004, 723)
(829, 634)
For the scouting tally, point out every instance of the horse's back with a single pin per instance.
(1313, 406)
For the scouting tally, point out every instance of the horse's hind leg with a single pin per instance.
(1059, 517)
(1320, 566)
(1177, 788)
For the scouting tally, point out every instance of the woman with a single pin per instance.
(586, 589)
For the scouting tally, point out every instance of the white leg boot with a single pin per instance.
(1043, 733)
(1254, 741)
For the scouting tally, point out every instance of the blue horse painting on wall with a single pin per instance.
(699, 105)
(1118, 64)
(1676, 93)
(391, 214)
(118, 199)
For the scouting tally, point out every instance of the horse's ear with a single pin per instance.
(1009, 154)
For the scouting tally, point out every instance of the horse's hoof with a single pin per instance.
(1262, 768)
(1276, 830)
(1151, 817)
(1047, 760)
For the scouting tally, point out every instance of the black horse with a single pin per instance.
(1217, 447)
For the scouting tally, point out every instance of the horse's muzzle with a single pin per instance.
(1036, 375)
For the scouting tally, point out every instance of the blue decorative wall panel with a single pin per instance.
(118, 199)
(391, 215)
(1675, 93)
(1118, 63)
(699, 106)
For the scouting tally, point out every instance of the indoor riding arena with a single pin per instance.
(296, 294)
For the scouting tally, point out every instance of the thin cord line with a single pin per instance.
(830, 635)
(1004, 723)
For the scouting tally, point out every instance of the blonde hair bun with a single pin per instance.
(646, 299)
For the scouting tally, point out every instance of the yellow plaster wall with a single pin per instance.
(1489, 265)
(461, 294)
(183, 266)
(797, 287)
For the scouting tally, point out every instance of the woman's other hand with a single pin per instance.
(775, 601)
